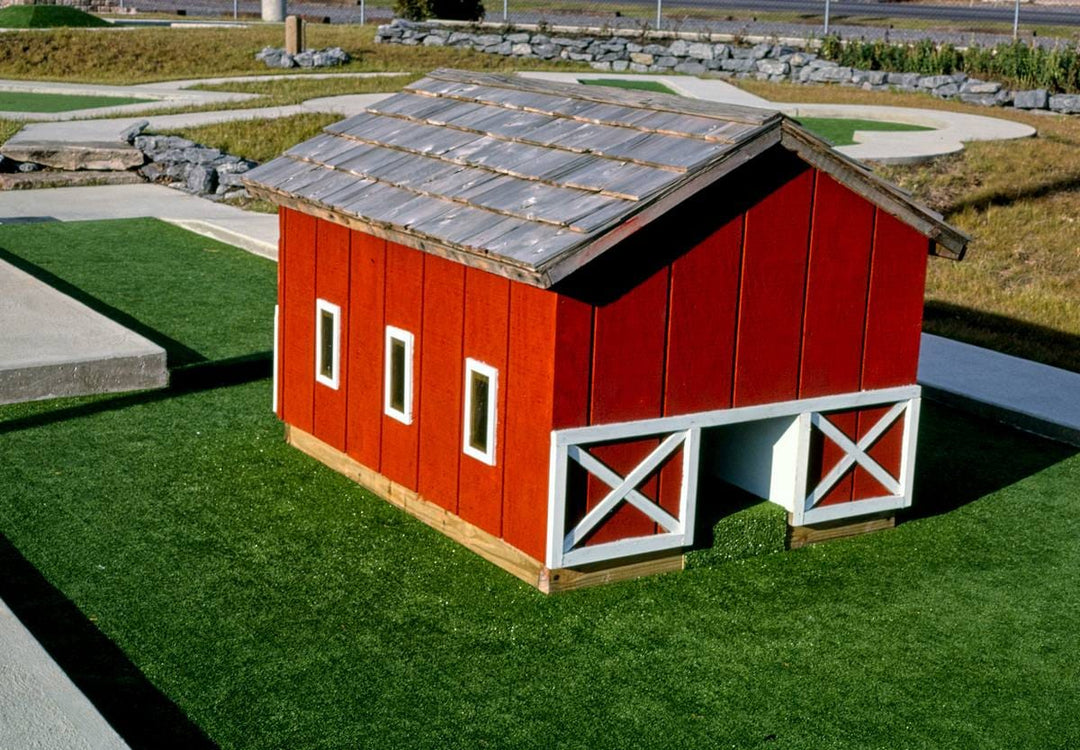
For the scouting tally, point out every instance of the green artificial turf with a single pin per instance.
(26, 101)
(205, 584)
(627, 83)
(46, 17)
(200, 299)
(840, 131)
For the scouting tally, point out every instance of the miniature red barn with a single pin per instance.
(534, 314)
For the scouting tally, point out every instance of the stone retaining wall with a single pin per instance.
(767, 62)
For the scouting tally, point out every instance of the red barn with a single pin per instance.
(535, 314)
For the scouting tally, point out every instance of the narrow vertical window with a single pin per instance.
(398, 376)
(327, 343)
(481, 394)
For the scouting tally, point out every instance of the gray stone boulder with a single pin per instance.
(738, 65)
(679, 48)
(1065, 103)
(935, 82)
(761, 51)
(829, 75)
(903, 80)
(773, 67)
(1032, 99)
(690, 68)
(201, 179)
(701, 51)
(100, 157)
(975, 86)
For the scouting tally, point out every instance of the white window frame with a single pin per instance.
(334, 380)
(393, 333)
(476, 366)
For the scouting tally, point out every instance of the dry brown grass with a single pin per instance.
(259, 140)
(157, 54)
(1018, 290)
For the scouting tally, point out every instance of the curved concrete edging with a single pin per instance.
(951, 130)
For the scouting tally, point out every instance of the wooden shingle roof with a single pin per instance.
(532, 179)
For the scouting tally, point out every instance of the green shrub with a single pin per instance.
(1015, 64)
(453, 10)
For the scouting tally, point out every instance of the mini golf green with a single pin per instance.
(627, 83)
(28, 101)
(840, 131)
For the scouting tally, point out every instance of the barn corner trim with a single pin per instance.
(532, 180)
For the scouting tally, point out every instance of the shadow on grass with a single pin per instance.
(177, 353)
(205, 376)
(137, 710)
(963, 458)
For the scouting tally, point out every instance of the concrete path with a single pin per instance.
(1029, 395)
(951, 130)
(255, 232)
(54, 346)
(111, 130)
(40, 707)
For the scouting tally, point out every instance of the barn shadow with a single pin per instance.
(963, 458)
(177, 353)
(135, 709)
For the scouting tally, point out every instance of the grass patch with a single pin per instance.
(277, 604)
(9, 128)
(26, 101)
(259, 140)
(1018, 290)
(200, 299)
(622, 83)
(47, 17)
(840, 131)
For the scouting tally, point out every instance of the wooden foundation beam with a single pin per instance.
(488, 546)
(800, 536)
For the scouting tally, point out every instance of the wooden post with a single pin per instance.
(294, 35)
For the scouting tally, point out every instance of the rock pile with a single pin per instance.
(184, 164)
(771, 62)
(277, 57)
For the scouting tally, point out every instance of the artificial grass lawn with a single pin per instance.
(625, 83)
(20, 101)
(840, 131)
(46, 17)
(280, 605)
(202, 300)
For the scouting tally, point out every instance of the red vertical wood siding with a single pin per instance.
(404, 310)
(836, 286)
(627, 384)
(298, 322)
(771, 294)
(529, 405)
(702, 310)
(893, 330)
(441, 381)
(332, 285)
(365, 364)
(480, 487)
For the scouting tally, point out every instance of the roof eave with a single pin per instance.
(401, 236)
(948, 241)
